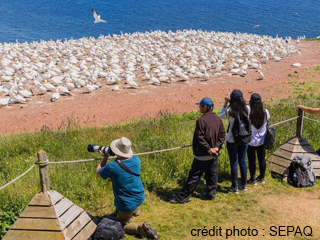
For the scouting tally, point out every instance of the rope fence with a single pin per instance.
(137, 154)
(18, 177)
(314, 120)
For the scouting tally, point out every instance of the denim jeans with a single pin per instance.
(261, 153)
(237, 154)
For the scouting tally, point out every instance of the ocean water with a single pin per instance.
(35, 20)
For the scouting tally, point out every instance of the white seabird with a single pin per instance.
(96, 17)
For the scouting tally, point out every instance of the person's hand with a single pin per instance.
(214, 151)
(101, 153)
(226, 101)
(298, 107)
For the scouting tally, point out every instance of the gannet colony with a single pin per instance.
(56, 68)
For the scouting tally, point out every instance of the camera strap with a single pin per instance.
(124, 167)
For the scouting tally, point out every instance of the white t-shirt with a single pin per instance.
(258, 135)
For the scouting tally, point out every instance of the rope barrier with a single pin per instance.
(312, 119)
(288, 120)
(137, 154)
(17, 177)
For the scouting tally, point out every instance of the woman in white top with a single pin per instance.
(258, 116)
(237, 152)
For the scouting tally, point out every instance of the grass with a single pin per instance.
(163, 174)
(313, 39)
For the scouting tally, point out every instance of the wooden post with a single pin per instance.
(299, 123)
(43, 170)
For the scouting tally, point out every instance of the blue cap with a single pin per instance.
(206, 102)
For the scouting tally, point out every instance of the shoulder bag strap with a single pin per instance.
(124, 167)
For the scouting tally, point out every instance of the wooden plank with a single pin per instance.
(54, 196)
(37, 224)
(38, 212)
(298, 141)
(77, 225)
(86, 232)
(70, 215)
(41, 199)
(279, 161)
(32, 235)
(277, 168)
(282, 153)
(315, 164)
(317, 172)
(297, 148)
(62, 206)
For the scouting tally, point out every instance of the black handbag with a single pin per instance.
(270, 137)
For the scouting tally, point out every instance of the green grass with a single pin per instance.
(313, 39)
(162, 173)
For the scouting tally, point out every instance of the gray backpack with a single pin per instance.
(300, 172)
(108, 229)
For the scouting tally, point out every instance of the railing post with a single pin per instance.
(43, 170)
(299, 123)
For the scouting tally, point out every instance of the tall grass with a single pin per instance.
(162, 173)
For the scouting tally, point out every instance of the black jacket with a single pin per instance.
(209, 133)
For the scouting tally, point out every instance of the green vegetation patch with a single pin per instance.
(163, 173)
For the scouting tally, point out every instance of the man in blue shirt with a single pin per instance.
(127, 186)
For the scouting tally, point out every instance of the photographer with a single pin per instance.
(126, 184)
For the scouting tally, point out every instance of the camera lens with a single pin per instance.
(90, 147)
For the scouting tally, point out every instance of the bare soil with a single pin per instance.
(107, 107)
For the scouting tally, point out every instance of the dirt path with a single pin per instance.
(105, 106)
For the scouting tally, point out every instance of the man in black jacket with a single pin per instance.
(208, 138)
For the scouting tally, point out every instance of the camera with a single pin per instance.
(95, 148)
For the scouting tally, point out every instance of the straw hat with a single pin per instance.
(122, 147)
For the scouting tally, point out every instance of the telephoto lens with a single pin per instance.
(105, 150)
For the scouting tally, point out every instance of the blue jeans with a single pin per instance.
(237, 154)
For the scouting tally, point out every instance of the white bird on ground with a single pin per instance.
(14, 94)
(64, 90)
(96, 16)
(49, 86)
(296, 65)
(25, 93)
(115, 88)
(55, 96)
(243, 73)
(261, 75)
(155, 80)
(4, 101)
(132, 83)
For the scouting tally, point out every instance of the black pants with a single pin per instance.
(261, 153)
(210, 168)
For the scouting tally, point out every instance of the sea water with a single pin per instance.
(35, 20)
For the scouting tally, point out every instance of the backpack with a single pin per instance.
(300, 172)
(241, 130)
(108, 229)
(270, 137)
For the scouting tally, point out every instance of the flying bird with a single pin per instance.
(257, 25)
(96, 17)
